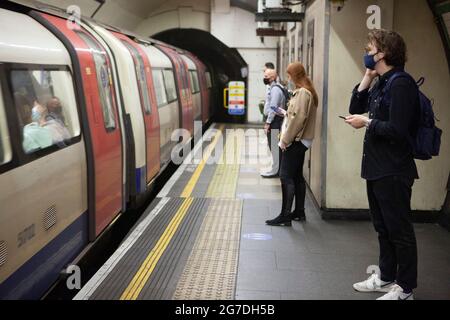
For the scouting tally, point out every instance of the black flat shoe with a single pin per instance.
(297, 216)
(280, 221)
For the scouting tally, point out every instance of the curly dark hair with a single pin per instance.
(391, 44)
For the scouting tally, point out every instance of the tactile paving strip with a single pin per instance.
(211, 270)
(224, 182)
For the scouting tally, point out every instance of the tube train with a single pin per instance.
(86, 117)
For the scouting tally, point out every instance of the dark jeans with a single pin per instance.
(292, 180)
(390, 207)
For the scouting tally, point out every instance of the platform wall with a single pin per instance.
(344, 188)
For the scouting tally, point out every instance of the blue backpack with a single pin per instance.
(427, 142)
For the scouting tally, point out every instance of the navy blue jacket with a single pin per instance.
(387, 143)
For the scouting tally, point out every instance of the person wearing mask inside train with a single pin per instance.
(35, 137)
(274, 99)
(296, 138)
(54, 121)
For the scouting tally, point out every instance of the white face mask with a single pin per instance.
(291, 85)
(35, 115)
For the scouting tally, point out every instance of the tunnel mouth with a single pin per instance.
(225, 64)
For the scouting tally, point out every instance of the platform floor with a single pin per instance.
(204, 237)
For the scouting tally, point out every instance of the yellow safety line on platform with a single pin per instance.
(196, 175)
(141, 277)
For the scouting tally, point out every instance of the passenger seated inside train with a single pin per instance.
(55, 122)
(35, 137)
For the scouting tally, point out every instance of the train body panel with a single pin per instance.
(42, 181)
(131, 103)
(147, 96)
(183, 85)
(166, 99)
(204, 78)
(103, 117)
(34, 43)
(195, 88)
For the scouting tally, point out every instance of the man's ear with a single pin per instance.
(380, 56)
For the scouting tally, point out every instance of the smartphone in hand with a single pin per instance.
(342, 117)
(278, 110)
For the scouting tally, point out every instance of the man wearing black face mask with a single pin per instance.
(388, 162)
(275, 98)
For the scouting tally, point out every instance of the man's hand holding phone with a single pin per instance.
(279, 111)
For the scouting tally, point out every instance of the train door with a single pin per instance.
(204, 90)
(184, 93)
(148, 103)
(103, 120)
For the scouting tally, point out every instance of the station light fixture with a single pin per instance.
(337, 4)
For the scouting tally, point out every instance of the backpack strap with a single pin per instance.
(400, 74)
(284, 91)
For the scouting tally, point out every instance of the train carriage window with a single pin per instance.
(5, 146)
(141, 75)
(194, 80)
(171, 88)
(208, 80)
(104, 80)
(46, 107)
(158, 81)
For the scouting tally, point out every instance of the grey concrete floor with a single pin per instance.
(320, 260)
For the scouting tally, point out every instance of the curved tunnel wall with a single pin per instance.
(224, 63)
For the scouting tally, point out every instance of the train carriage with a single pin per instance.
(88, 114)
(43, 173)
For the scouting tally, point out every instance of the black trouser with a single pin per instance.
(390, 207)
(272, 136)
(291, 176)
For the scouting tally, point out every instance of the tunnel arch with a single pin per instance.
(225, 63)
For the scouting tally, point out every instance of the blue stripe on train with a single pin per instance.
(141, 184)
(36, 276)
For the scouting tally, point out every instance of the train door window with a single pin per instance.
(141, 76)
(5, 145)
(158, 81)
(194, 81)
(208, 80)
(169, 81)
(104, 80)
(44, 100)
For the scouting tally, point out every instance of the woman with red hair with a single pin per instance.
(296, 138)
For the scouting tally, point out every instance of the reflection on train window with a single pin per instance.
(46, 107)
(171, 89)
(5, 146)
(194, 81)
(160, 91)
(208, 80)
(104, 80)
(141, 75)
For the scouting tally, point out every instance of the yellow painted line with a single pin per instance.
(140, 279)
(146, 269)
(196, 175)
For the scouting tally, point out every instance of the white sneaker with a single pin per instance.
(373, 284)
(396, 293)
